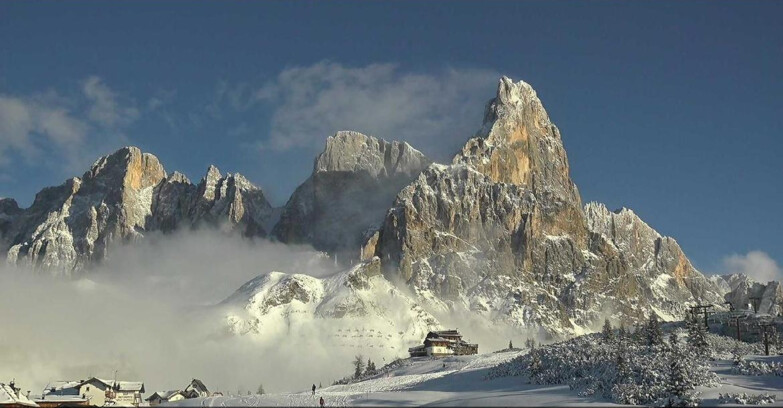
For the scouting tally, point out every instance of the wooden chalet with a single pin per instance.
(444, 343)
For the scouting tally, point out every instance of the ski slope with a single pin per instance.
(461, 381)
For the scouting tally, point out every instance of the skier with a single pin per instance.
(322, 402)
(313, 389)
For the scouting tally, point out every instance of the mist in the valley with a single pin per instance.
(148, 313)
(145, 312)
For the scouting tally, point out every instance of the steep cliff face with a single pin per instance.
(502, 232)
(768, 297)
(9, 211)
(120, 197)
(354, 181)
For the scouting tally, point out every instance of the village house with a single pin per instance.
(159, 397)
(196, 389)
(12, 397)
(117, 393)
(443, 343)
(61, 394)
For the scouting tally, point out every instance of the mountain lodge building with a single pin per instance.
(443, 343)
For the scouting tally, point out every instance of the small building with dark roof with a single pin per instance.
(444, 343)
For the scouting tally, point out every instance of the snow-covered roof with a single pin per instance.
(62, 388)
(11, 396)
(119, 385)
(441, 339)
(75, 399)
(164, 395)
(444, 333)
(197, 385)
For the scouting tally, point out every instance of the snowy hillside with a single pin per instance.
(490, 380)
(354, 309)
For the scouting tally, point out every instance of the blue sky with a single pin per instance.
(673, 109)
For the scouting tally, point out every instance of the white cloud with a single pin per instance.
(27, 125)
(68, 130)
(434, 112)
(105, 108)
(755, 264)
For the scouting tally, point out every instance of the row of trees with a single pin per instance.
(362, 369)
(642, 366)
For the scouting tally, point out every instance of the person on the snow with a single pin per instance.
(313, 389)
(322, 401)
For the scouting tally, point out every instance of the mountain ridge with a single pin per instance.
(500, 233)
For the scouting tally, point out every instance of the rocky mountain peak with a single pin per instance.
(178, 177)
(354, 181)
(9, 206)
(209, 182)
(128, 167)
(122, 196)
(514, 96)
(355, 152)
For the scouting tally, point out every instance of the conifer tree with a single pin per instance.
(358, 365)
(621, 332)
(534, 368)
(697, 337)
(653, 332)
(370, 370)
(607, 332)
(679, 382)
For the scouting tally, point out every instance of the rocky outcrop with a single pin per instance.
(354, 308)
(9, 211)
(354, 181)
(745, 291)
(502, 232)
(122, 196)
(231, 202)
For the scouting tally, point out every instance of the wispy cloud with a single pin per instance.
(755, 264)
(69, 130)
(105, 108)
(436, 112)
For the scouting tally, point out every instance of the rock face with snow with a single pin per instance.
(353, 308)
(502, 232)
(354, 181)
(769, 296)
(122, 196)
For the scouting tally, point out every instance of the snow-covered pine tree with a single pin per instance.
(260, 390)
(697, 337)
(681, 383)
(653, 332)
(535, 367)
(607, 332)
(621, 332)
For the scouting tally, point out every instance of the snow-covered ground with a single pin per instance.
(461, 381)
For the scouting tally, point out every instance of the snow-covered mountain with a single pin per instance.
(123, 195)
(742, 288)
(353, 308)
(354, 181)
(500, 234)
